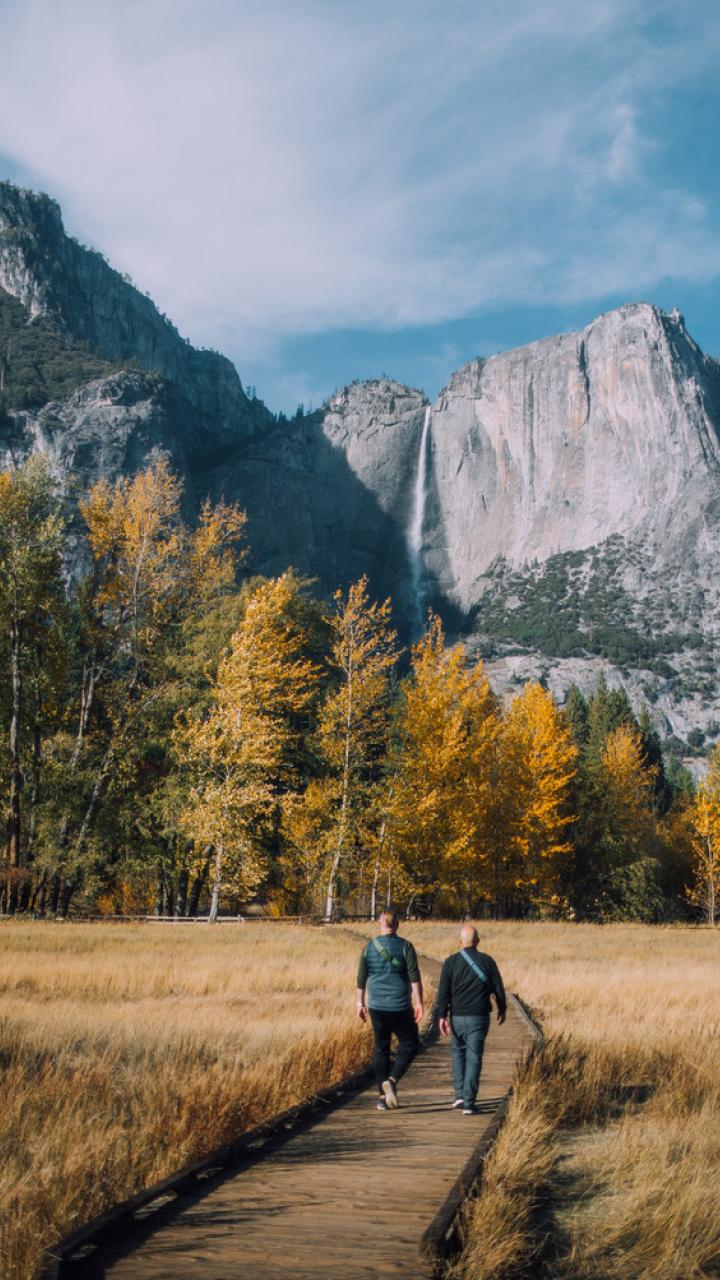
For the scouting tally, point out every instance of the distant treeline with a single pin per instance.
(180, 737)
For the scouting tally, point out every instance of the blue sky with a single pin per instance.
(331, 190)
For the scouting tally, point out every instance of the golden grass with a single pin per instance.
(608, 1166)
(126, 1051)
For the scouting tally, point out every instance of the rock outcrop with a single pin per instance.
(568, 514)
(74, 290)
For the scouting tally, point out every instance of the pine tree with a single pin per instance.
(576, 712)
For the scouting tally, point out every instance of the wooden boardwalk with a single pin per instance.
(348, 1196)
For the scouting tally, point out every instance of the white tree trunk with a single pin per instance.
(217, 880)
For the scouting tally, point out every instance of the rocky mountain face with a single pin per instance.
(73, 291)
(559, 503)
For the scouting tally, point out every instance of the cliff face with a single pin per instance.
(557, 446)
(331, 494)
(565, 514)
(74, 290)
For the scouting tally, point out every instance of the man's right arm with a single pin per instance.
(443, 999)
(362, 977)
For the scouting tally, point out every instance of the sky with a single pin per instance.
(336, 189)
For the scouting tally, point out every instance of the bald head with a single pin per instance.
(469, 935)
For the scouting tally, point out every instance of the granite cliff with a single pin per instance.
(559, 503)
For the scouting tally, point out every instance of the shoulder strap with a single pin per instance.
(387, 957)
(475, 967)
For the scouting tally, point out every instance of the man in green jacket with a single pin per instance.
(389, 969)
(468, 979)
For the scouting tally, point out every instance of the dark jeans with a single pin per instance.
(468, 1040)
(385, 1023)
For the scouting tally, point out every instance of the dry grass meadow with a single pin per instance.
(608, 1166)
(126, 1051)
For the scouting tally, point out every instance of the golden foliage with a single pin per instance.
(447, 728)
(705, 818)
(543, 761)
(341, 812)
(239, 753)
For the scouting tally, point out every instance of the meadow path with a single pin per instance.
(349, 1196)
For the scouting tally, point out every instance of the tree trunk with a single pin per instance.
(87, 695)
(199, 882)
(39, 893)
(13, 827)
(373, 890)
(101, 782)
(69, 888)
(182, 891)
(54, 892)
(376, 870)
(217, 874)
(332, 879)
(27, 887)
(159, 893)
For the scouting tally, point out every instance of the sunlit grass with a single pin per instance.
(127, 1050)
(607, 1167)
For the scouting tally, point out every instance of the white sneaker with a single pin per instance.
(457, 1103)
(391, 1098)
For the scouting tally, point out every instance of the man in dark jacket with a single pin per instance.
(468, 979)
(389, 969)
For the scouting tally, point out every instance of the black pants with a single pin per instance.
(385, 1023)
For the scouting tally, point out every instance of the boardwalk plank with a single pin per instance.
(349, 1196)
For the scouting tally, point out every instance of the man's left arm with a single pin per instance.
(498, 992)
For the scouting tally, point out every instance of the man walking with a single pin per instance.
(389, 969)
(468, 979)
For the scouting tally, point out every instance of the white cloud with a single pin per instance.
(267, 169)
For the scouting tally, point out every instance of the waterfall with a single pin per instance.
(415, 533)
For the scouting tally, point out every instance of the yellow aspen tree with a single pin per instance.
(543, 762)
(438, 791)
(626, 788)
(149, 568)
(241, 752)
(705, 812)
(355, 719)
